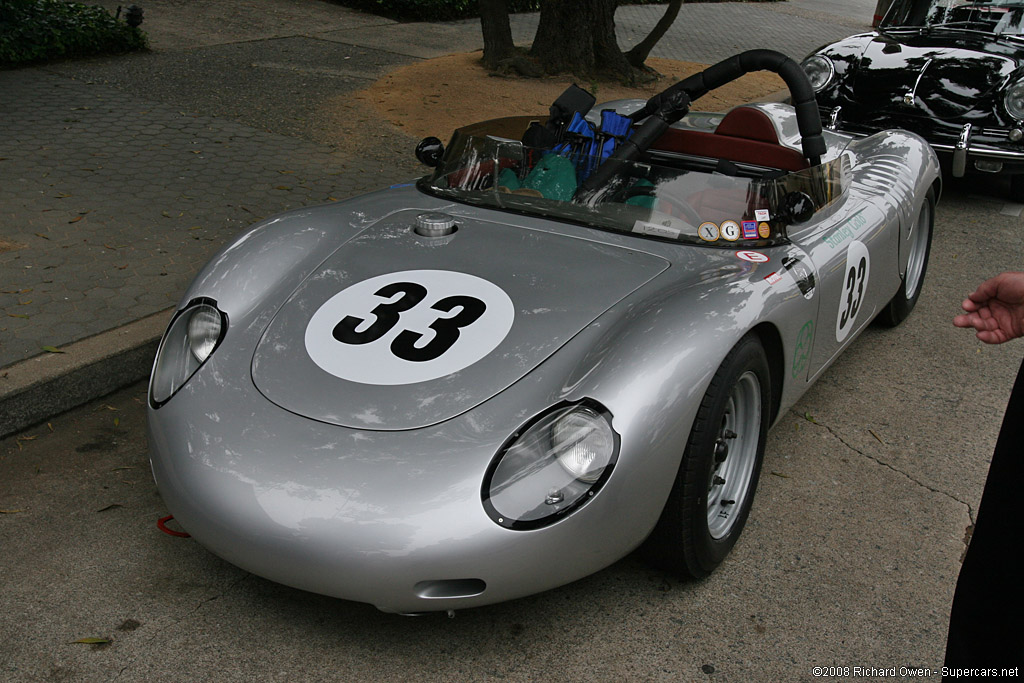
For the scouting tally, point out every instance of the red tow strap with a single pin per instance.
(161, 524)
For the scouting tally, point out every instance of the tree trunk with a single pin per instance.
(578, 36)
(498, 43)
(638, 55)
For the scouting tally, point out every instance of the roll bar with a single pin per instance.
(673, 103)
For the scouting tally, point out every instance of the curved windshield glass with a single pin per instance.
(665, 195)
(1004, 18)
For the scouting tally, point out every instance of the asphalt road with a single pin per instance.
(849, 558)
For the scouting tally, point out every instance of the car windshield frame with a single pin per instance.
(487, 165)
(1001, 18)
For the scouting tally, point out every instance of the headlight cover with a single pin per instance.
(819, 70)
(193, 335)
(1013, 100)
(551, 467)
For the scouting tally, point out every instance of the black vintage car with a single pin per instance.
(950, 70)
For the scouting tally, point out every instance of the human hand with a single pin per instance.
(995, 309)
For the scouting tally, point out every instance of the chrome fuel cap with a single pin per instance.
(434, 224)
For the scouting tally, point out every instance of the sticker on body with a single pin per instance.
(407, 327)
(854, 288)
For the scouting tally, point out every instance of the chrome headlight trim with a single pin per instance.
(1013, 100)
(192, 336)
(820, 71)
(551, 466)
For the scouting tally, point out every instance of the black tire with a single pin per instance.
(900, 306)
(688, 540)
(1017, 188)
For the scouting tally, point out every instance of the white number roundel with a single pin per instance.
(408, 327)
(855, 288)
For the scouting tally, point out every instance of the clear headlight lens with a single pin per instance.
(191, 337)
(204, 326)
(1013, 100)
(581, 441)
(819, 70)
(552, 467)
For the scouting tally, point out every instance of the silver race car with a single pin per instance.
(567, 341)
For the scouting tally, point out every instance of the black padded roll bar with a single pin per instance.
(670, 105)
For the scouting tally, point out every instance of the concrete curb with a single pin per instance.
(43, 386)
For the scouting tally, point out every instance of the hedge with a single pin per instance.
(38, 30)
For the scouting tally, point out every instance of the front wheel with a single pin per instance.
(900, 306)
(717, 477)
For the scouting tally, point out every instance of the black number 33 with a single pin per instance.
(387, 315)
(854, 280)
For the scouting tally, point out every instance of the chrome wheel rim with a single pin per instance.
(734, 456)
(918, 250)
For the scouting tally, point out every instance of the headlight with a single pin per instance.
(191, 337)
(1013, 100)
(551, 467)
(819, 70)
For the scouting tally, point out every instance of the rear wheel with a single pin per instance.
(714, 488)
(900, 306)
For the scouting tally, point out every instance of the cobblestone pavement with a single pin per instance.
(119, 177)
(110, 203)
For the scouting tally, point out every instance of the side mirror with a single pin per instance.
(429, 151)
(798, 207)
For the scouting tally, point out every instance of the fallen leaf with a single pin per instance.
(810, 418)
(10, 512)
(872, 433)
(92, 641)
(112, 506)
(51, 349)
(18, 315)
(780, 474)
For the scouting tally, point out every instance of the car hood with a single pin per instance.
(939, 74)
(395, 331)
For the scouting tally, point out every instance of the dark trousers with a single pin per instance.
(986, 625)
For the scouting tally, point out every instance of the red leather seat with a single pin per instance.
(745, 135)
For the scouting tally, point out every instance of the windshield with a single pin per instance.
(665, 195)
(1004, 18)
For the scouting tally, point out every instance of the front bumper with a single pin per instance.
(960, 146)
(393, 519)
